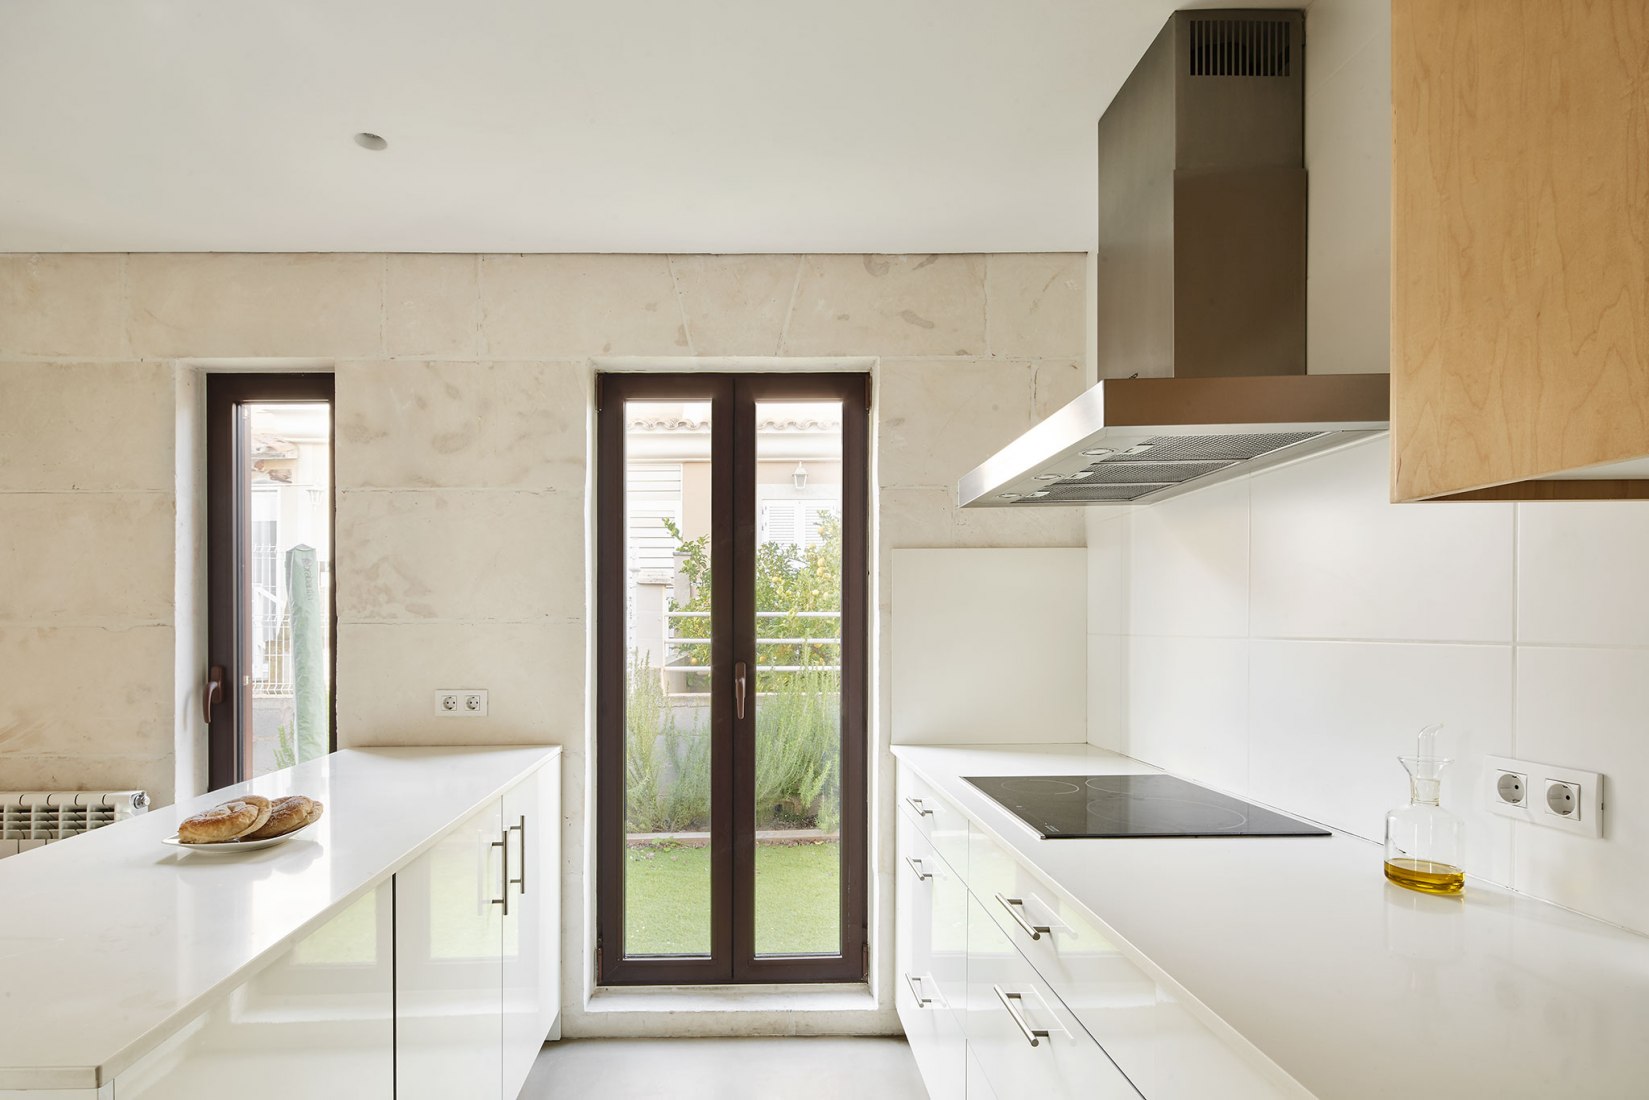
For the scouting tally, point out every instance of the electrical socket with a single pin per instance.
(461, 702)
(1548, 795)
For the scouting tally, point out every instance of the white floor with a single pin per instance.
(726, 1069)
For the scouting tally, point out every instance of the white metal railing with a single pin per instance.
(673, 641)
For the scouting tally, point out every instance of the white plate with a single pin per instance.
(226, 846)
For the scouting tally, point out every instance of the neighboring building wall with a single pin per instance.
(464, 436)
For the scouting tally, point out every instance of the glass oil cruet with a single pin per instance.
(1424, 842)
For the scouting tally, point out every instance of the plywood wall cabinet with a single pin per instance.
(1520, 242)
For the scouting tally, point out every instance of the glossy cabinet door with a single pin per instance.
(448, 965)
(1026, 1041)
(532, 928)
(318, 1021)
(930, 959)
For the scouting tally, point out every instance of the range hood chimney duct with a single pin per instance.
(1201, 288)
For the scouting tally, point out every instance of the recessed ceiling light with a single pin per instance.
(370, 141)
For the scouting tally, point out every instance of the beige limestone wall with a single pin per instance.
(463, 480)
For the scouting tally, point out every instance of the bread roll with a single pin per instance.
(263, 806)
(315, 810)
(221, 823)
(287, 814)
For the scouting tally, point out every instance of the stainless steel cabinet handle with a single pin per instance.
(520, 826)
(916, 991)
(917, 805)
(502, 844)
(1016, 910)
(1014, 1003)
(916, 865)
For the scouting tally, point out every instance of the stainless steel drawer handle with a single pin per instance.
(918, 805)
(1016, 910)
(916, 865)
(1015, 1004)
(916, 991)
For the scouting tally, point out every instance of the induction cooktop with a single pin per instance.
(1058, 807)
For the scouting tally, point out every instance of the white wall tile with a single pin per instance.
(1035, 304)
(1333, 558)
(1108, 691)
(432, 305)
(735, 305)
(1589, 708)
(888, 305)
(1190, 564)
(572, 306)
(87, 557)
(1328, 719)
(62, 305)
(1348, 260)
(1188, 707)
(1581, 576)
(1109, 569)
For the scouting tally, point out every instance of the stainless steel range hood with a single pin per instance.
(1201, 284)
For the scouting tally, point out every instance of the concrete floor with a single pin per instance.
(726, 1069)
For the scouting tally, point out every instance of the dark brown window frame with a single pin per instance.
(228, 556)
(733, 400)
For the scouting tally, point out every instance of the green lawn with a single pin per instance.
(667, 900)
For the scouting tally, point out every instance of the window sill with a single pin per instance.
(708, 999)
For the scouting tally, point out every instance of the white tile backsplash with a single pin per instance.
(1188, 707)
(1589, 708)
(1578, 573)
(1368, 620)
(1327, 721)
(1333, 558)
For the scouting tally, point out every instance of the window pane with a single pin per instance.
(798, 679)
(287, 608)
(667, 712)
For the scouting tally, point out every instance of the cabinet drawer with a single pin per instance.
(938, 820)
(930, 959)
(1026, 1040)
(1164, 1049)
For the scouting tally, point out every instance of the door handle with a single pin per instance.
(503, 845)
(1015, 1004)
(1016, 910)
(213, 692)
(741, 676)
(520, 826)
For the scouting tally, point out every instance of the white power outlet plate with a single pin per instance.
(1544, 794)
(461, 702)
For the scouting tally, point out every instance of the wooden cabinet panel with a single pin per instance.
(532, 930)
(1520, 240)
(448, 965)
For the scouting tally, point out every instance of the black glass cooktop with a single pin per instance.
(1063, 806)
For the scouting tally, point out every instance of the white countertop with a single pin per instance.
(111, 941)
(1354, 987)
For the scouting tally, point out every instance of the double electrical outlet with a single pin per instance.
(461, 702)
(1545, 794)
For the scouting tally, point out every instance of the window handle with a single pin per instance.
(213, 692)
(741, 675)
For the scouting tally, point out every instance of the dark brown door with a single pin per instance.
(268, 688)
(731, 637)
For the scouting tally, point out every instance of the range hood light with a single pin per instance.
(1049, 477)
(1009, 496)
(1096, 452)
(1039, 493)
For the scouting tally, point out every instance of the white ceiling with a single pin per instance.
(543, 125)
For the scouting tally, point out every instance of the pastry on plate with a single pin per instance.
(230, 821)
(287, 814)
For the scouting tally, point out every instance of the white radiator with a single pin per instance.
(29, 819)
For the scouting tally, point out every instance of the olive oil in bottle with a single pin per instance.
(1426, 876)
(1424, 842)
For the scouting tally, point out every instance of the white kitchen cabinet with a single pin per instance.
(318, 1020)
(449, 929)
(532, 927)
(1026, 1041)
(930, 955)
